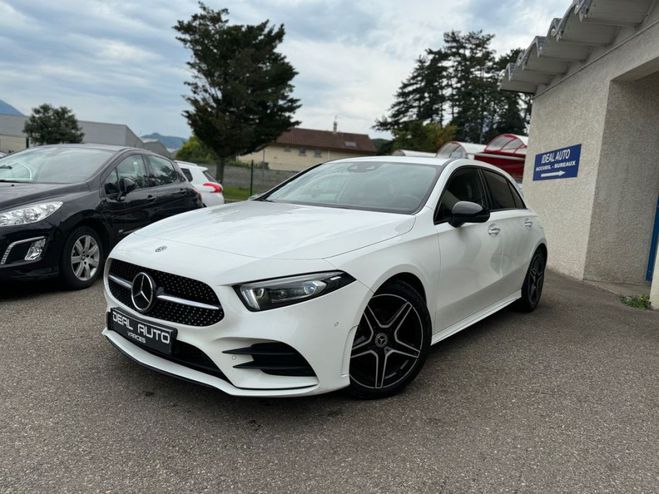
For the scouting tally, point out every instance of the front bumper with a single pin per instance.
(321, 330)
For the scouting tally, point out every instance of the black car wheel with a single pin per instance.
(82, 258)
(391, 342)
(533, 283)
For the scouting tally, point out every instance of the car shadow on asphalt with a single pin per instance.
(19, 290)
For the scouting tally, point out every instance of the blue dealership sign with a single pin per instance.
(560, 163)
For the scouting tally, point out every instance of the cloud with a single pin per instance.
(119, 61)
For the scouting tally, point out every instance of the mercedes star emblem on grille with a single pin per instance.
(143, 293)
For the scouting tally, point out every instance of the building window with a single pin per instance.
(318, 153)
(351, 144)
(302, 152)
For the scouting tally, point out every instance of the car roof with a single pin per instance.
(107, 147)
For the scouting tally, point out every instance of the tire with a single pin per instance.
(82, 258)
(391, 343)
(533, 283)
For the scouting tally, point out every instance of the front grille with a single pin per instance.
(171, 285)
(187, 355)
(278, 359)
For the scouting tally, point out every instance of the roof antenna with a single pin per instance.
(335, 127)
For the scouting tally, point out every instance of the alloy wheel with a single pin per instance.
(85, 257)
(388, 342)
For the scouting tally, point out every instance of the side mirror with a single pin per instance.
(126, 185)
(468, 212)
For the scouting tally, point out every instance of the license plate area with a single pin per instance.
(142, 333)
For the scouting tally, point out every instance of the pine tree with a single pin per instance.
(457, 85)
(241, 87)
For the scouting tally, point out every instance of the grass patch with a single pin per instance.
(637, 301)
(233, 194)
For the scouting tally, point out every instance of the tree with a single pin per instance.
(50, 125)
(195, 151)
(241, 86)
(459, 84)
(422, 137)
(512, 110)
(421, 97)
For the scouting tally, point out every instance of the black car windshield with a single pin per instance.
(60, 165)
(368, 185)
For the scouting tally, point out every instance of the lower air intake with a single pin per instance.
(277, 359)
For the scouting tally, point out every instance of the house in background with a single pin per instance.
(298, 149)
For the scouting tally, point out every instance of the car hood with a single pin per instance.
(261, 229)
(17, 194)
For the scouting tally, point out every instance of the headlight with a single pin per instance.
(29, 214)
(270, 294)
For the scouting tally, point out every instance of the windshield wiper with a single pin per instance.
(10, 181)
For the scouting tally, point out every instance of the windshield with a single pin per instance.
(373, 186)
(60, 165)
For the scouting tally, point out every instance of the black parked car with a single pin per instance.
(63, 207)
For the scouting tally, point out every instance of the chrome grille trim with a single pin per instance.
(182, 301)
(120, 281)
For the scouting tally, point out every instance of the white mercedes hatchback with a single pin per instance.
(343, 276)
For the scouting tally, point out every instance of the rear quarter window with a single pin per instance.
(187, 174)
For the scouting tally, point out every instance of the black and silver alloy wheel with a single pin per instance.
(85, 257)
(533, 283)
(82, 258)
(391, 342)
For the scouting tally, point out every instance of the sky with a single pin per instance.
(118, 60)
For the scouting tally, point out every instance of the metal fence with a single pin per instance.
(261, 179)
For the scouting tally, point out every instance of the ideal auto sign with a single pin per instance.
(560, 163)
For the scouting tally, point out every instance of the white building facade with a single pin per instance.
(592, 167)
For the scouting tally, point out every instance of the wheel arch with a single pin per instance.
(542, 246)
(409, 278)
(95, 224)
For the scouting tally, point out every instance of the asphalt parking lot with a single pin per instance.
(562, 400)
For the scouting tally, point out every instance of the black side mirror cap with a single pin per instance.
(468, 212)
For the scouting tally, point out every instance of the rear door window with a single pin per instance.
(162, 171)
(500, 192)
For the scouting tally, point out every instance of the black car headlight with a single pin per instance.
(279, 292)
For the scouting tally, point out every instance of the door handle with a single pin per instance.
(494, 230)
(150, 197)
(528, 223)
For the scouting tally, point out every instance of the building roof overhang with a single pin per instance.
(571, 39)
